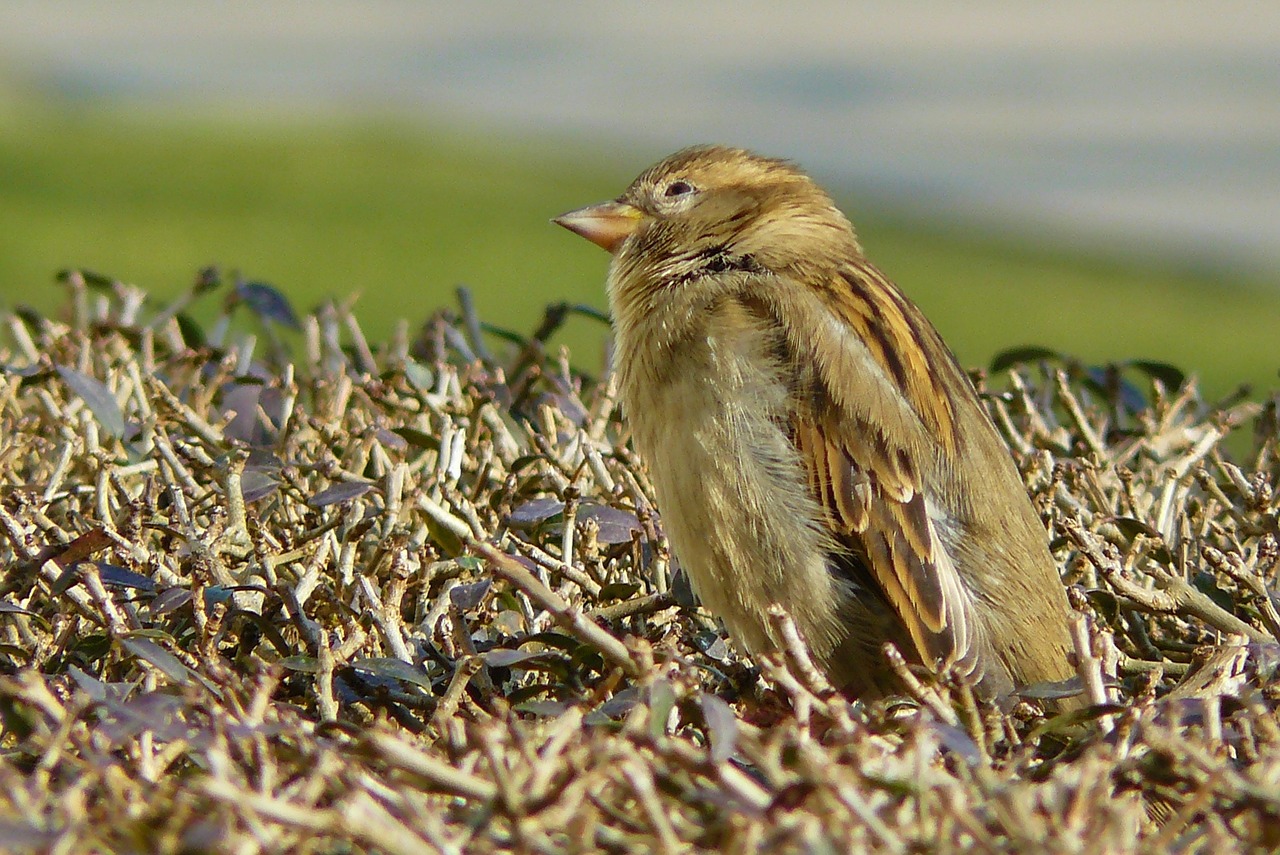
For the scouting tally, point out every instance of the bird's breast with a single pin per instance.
(708, 413)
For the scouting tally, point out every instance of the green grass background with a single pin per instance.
(403, 211)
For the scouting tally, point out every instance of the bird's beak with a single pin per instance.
(606, 225)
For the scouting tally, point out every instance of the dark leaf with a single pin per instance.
(207, 278)
(23, 835)
(19, 655)
(390, 439)
(343, 491)
(168, 600)
(534, 512)
(99, 281)
(444, 537)
(711, 644)
(527, 460)
(469, 596)
(84, 545)
(305, 664)
(148, 651)
(621, 703)
(682, 590)
(265, 625)
(1105, 602)
(268, 303)
(1132, 527)
(67, 579)
(534, 690)
(504, 334)
(616, 526)
(11, 609)
(1131, 396)
(722, 727)
(503, 658)
(1006, 359)
(97, 397)
(1205, 583)
(418, 438)
(662, 700)
(92, 646)
(394, 669)
(524, 660)
(1108, 381)
(215, 594)
(21, 370)
(87, 683)
(257, 484)
(540, 709)
(1170, 376)
(589, 311)
(955, 740)
(1068, 720)
(558, 640)
(119, 577)
(619, 590)
(29, 316)
(587, 658)
(1053, 690)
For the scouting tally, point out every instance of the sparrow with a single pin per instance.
(812, 441)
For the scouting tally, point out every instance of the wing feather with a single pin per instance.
(869, 487)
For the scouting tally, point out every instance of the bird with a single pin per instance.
(811, 440)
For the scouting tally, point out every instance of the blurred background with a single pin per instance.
(1094, 177)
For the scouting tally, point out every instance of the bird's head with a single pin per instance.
(712, 208)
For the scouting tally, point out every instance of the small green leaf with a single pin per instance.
(192, 333)
(91, 278)
(420, 376)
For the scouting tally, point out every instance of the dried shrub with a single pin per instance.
(270, 591)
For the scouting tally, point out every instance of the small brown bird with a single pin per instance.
(812, 440)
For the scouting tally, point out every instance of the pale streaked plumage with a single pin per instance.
(812, 440)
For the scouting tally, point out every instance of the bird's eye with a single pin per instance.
(678, 188)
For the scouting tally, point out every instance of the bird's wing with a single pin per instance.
(879, 516)
(879, 405)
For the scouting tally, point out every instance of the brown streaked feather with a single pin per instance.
(890, 531)
(895, 333)
(869, 486)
